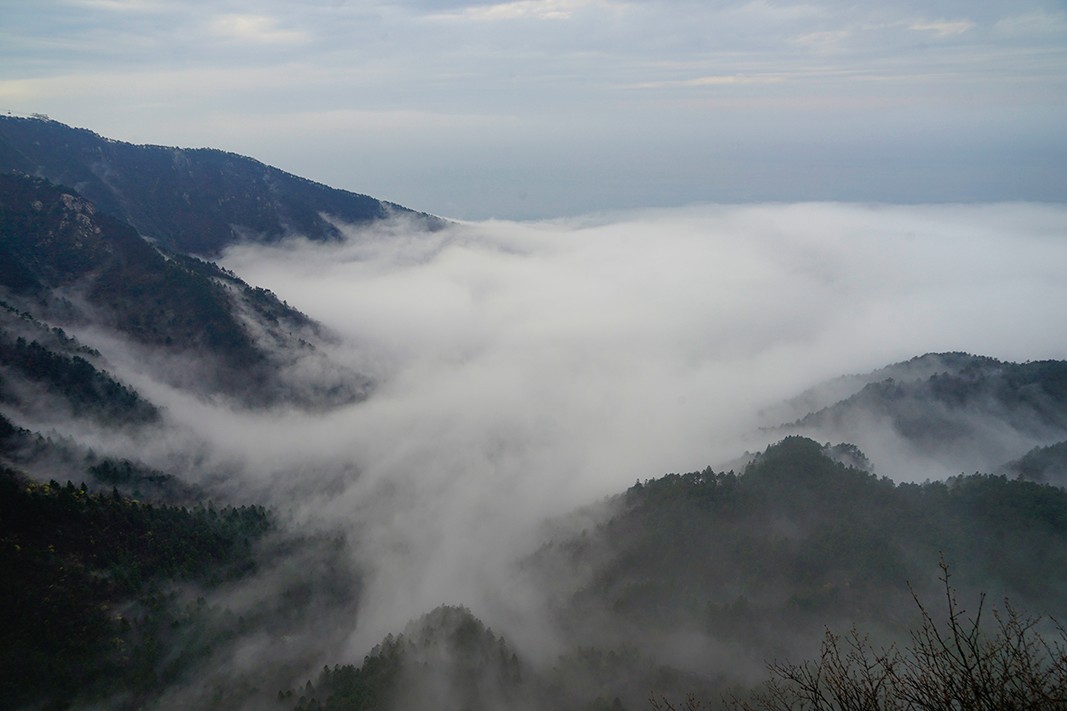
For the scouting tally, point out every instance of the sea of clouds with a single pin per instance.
(524, 370)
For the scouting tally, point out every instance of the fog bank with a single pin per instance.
(525, 369)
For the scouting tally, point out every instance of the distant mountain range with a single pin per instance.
(196, 201)
(959, 411)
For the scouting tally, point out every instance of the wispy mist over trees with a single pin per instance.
(88, 610)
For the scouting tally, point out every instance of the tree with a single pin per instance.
(960, 663)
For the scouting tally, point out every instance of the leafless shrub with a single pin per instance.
(959, 663)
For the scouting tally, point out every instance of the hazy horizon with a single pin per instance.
(532, 109)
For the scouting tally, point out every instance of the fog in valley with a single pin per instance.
(519, 372)
(523, 370)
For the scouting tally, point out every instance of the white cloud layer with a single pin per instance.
(526, 369)
(525, 10)
(944, 28)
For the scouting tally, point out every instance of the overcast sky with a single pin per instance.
(541, 108)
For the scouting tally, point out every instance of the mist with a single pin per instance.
(524, 370)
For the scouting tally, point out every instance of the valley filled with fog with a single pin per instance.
(523, 370)
(560, 464)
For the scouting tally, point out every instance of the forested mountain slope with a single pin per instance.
(1043, 464)
(690, 583)
(798, 532)
(953, 412)
(85, 617)
(65, 263)
(196, 201)
(919, 368)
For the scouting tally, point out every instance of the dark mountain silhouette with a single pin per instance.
(65, 263)
(196, 201)
(86, 389)
(73, 559)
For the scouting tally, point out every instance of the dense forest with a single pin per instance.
(88, 390)
(737, 570)
(88, 587)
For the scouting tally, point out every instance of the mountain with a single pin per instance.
(832, 391)
(446, 659)
(685, 583)
(107, 577)
(189, 322)
(1042, 464)
(109, 602)
(195, 201)
(710, 575)
(52, 372)
(955, 411)
(691, 583)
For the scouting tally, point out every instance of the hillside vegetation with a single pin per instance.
(196, 201)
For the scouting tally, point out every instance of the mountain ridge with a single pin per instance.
(955, 409)
(192, 200)
(67, 263)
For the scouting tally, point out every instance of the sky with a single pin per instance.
(530, 109)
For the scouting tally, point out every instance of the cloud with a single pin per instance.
(199, 83)
(944, 28)
(258, 29)
(826, 41)
(768, 11)
(386, 122)
(1034, 24)
(526, 369)
(715, 80)
(119, 5)
(526, 10)
(577, 136)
